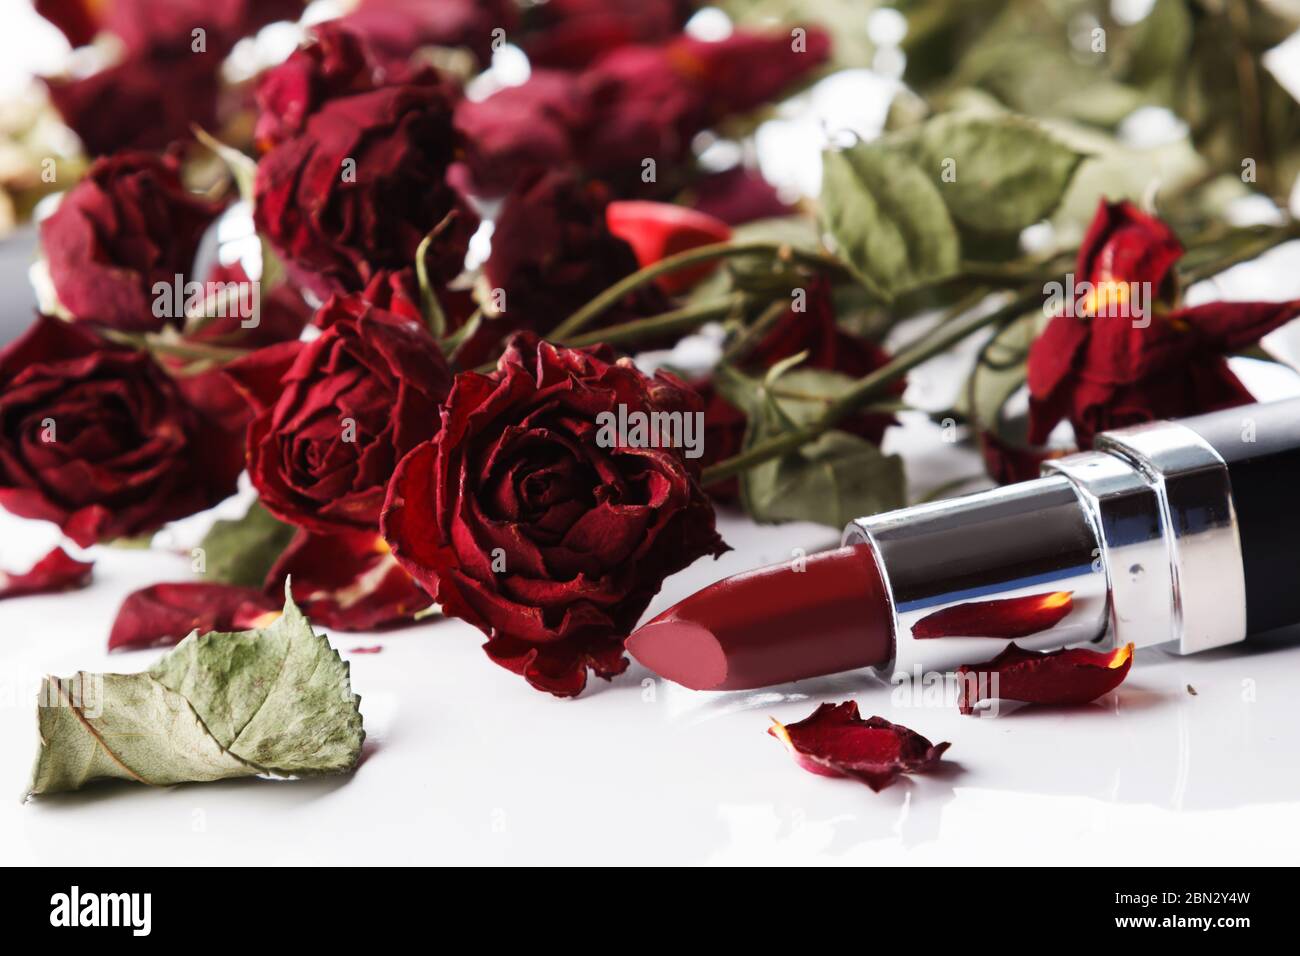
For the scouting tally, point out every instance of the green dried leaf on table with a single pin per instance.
(995, 174)
(272, 700)
(888, 219)
(241, 551)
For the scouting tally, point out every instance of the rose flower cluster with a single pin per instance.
(412, 436)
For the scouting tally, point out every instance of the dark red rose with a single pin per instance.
(552, 252)
(349, 581)
(1117, 359)
(126, 107)
(57, 571)
(748, 68)
(357, 192)
(171, 24)
(164, 614)
(522, 129)
(333, 63)
(397, 28)
(127, 226)
(829, 347)
(333, 416)
(737, 196)
(571, 34)
(99, 439)
(518, 519)
(657, 230)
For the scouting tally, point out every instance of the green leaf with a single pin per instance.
(999, 373)
(887, 219)
(242, 551)
(272, 700)
(995, 174)
(831, 481)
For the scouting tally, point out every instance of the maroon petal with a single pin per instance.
(835, 742)
(57, 571)
(348, 581)
(165, 614)
(1070, 676)
(1006, 618)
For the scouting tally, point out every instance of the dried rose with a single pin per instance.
(1064, 677)
(356, 193)
(521, 520)
(835, 742)
(333, 416)
(125, 228)
(99, 439)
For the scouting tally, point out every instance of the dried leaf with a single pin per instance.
(271, 700)
(243, 551)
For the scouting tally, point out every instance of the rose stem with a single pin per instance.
(722, 250)
(943, 338)
(747, 340)
(684, 319)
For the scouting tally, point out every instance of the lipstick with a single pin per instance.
(1182, 533)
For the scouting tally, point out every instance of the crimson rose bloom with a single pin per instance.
(570, 34)
(516, 519)
(1105, 370)
(99, 440)
(334, 415)
(128, 225)
(397, 28)
(363, 184)
(154, 24)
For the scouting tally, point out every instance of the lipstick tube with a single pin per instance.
(1184, 533)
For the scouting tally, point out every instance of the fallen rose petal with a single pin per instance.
(1070, 676)
(1006, 618)
(348, 581)
(835, 742)
(165, 614)
(376, 649)
(57, 571)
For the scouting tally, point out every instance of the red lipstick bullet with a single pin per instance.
(1180, 533)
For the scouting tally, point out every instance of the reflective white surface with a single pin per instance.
(465, 763)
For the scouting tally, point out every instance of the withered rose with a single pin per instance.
(127, 226)
(1126, 353)
(570, 34)
(333, 416)
(518, 520)
(397, 28)
(155, 24)
(358, 190)
(99, 440)
(334, 62)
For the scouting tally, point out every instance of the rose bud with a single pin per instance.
(99, 440)
(526, 520)
(124, 107)
(552, 252)
(360, 188)
(657, 230)
(333, 416)
(128, 226)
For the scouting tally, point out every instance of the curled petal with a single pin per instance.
(1069, 676)
(1006, 618)
(348, 581)
(57, 571)
(164, 614)
(835, 742)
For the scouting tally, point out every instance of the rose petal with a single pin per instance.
(57, 571)
(835, 742)
(165, 614)
(348, 581)
(1069, 676)
(1005, 618)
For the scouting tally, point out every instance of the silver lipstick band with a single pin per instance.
(1141, 533)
